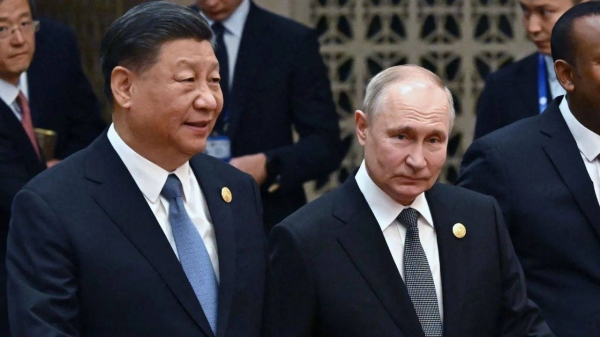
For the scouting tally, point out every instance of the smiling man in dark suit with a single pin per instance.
(137, 235)
(275, 81)
(392, 252)
(545, 173)
(43, 86)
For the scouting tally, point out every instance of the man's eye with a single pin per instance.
(3, 28)
(25, 23)
(401, 136)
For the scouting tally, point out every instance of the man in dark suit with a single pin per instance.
(275, 80)
(44, 67)
(392, 252)
(545, 173)
(524, 88)
(136, 235)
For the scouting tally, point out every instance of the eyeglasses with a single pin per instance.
(25, 27)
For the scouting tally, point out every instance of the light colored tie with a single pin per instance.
(26, 121)
(192, 252)
(418, 277)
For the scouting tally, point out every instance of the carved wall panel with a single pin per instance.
(460, 40)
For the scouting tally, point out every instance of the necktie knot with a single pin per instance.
(408, 218)
(172, 188)
(21, 100)
(218, 28)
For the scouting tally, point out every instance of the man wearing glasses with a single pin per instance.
(42, 86)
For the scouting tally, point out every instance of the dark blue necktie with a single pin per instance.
(192, 252)
(418, 277)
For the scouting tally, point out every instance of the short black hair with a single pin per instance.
(562, 40)
(134, 40)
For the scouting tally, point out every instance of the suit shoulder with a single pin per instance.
(60, 178)
(510, 137)
(460, 194)
(281, 24)
(54, 31)
(313, 218)
(527, 65)
(217, 165)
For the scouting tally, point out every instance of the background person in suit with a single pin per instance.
(524, 88)
(135, 235)
(44, 67)
(275, 80)
(545, 173)
(385, 254)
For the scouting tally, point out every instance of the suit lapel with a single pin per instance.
(117, 194)
(561, 148)
(246, 67)
(365, 244)
(452, 257)
(211, 183)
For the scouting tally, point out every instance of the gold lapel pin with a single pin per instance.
(459, 230)
(226, 195)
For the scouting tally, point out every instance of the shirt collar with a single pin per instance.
(9, 92)
(587, 141)
(149, 177)
(550, 68)
(385, 209)
(234, 24)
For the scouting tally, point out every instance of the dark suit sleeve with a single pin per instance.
(319, 149)
(483, 170)
(489, 118)
(42, 285)
(519, 315)
(290, 301)
(84, 116)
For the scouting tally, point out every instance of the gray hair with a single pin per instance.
(378, 85)
(135, 39)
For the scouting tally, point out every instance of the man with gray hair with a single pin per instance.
(392, 252)
(139, 234)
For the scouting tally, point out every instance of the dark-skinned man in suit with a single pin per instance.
(545, 173)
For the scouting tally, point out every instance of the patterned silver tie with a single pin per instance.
(418, 278)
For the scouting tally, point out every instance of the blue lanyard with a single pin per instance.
(542, 83)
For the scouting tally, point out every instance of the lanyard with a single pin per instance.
(542, 84)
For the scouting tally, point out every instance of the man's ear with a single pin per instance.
(362, 123)
(564, 74)
(121, 80)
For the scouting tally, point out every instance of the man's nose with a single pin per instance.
(533, 24)
(17, 37)
(416, 158)
(206, 99)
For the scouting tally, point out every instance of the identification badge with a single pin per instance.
(219, 147)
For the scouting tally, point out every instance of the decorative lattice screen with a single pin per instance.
(460, 40)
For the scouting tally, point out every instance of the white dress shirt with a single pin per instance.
(555, 88)
(9, 93)
(386, 210)
(150, 179)
(588, 143)
(234, 27)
